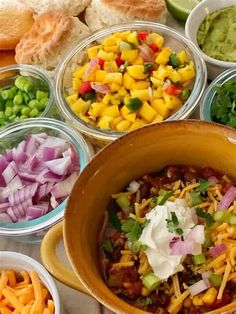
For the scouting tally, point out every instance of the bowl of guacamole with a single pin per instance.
(212, 28)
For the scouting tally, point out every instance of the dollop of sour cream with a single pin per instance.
(157, 237)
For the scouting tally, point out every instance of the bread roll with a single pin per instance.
(52, 35)
(15, 20)
(102, 13)
(71, 7)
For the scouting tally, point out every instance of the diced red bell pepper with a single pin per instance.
(173, 89)
(119, 61)
(154, 47)
(142, 35)
(85, 87)
(101, 63)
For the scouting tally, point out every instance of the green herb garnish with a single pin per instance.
(134, 104)
(148, 67)
(173, 225)
(148, 301)
(208, 218)
(133, 229)
(204, 185)
(196, 195)
(164, 197)
(223, 109)
(114, 220)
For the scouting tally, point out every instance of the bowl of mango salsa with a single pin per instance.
(127, 76)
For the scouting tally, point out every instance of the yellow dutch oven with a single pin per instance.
(146, 150)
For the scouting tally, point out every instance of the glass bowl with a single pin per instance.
(210, 94)
(10, 136)
(8, 75)
(173, 39)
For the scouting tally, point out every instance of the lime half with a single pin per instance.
(181, 8)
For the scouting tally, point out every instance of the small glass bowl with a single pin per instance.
(8, 75)
(33, 230)
(172, 39)
(210, 93)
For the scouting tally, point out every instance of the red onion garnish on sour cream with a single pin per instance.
(36, 176)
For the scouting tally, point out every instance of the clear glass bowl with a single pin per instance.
(210, 93)
(10, 136)
(8, 75)
(172, 39)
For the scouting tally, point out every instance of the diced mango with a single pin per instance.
(115, 99)
(115, 77)
(156, 82)
(160, 106)
(92, 52)
(107, 99)
(138, 123)
(128, 81)
(76, 84)
(115, 121)
(147, 112)
(142, 94)
(110, 66)
(163, 56)
(122, 91)
(140, 85)
(186, 73)
(96, 109)
(123, 126)
(79, 72)
(80, 106)
(111, 111)
(137, 72)
(125, 111)
(157, 93)
(109, 41)
(157, 39)
(158, 118)
(183, 57)
(114, 49)
(123, 35)
(100, 75)
(174, 76)
(131, 117)
(114, 87)
(171, 101)
(139, 60)
(84, 118)
(106, 56)
(161, 73)
(133, 38)
(129, 55)
(104, 122)
(72, 98)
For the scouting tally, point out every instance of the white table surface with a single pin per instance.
(74, 302)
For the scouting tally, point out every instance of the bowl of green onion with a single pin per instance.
(25, 92)
(219, 100)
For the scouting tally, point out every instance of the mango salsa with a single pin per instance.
(129, 80)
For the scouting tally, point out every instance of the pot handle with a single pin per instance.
(53, 264)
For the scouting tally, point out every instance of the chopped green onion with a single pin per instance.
(153, 202)
(34, 113)
(107, 246)
(221, 216)
(195, 198)
(232, 220)
(123, 201)
(215, 280)
(40, 95)
(151, 281)
(199, 259)
(7, 94)
(162, 199)
(208, 241)
(18, 100)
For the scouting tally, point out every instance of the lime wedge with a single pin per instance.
(181, 8)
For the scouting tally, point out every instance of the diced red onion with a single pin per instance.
(146, 53)
(213, 180)
(181, 247)
(4, 217)
(217, 250)
(92, 66)
(205, 275)
(199, 286)
(133, 186)
(197, 234)
(41, 164)
(101, 88)
(227, 199)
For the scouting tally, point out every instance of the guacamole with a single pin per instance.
(217, 34)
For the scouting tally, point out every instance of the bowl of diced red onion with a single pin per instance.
(40, 160)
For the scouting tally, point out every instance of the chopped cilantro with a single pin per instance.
(148, 301)
(208, 218)
(148, 67)
(196, 195)
(133, 229)
(173, 225)
(204, 185)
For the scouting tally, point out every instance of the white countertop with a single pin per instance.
(74, 301)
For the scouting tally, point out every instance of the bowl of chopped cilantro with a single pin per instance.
(219, 101)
